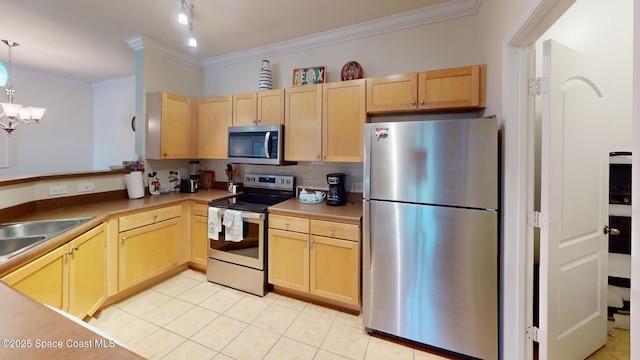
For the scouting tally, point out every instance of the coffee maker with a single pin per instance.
(337, 195)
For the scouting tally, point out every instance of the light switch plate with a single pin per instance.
(85, 187)
(57, 190)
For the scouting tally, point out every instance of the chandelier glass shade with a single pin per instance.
(13, 115)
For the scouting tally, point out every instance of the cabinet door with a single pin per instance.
(392, 93)
(147, 251)
(214, 117)
(343, 118)
(289, 259)
(303, 123)
(88, 272)
(199, 238)
(271, 107)
(45, 279)
(462, 87)
(245, 109)
(335, 270)
(175, 125)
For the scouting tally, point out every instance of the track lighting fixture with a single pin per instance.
(185, 17)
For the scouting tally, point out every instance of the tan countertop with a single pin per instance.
(31, 330)
(101, 211)
(350, 212)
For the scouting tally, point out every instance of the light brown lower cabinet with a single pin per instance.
(318, 257)
(72, 278)
(147, 251)
(199, 236)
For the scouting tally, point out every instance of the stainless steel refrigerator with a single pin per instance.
(430, 249)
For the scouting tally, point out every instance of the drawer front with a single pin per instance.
(149, 217)
(289, 223)
(335, 230)
(200, 209)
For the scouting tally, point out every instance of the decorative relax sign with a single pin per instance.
(309, 76)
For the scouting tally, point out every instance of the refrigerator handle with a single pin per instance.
(366, 158)
(366, 234)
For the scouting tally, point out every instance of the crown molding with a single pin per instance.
(110, 82)
(140, 42)
(445, 11)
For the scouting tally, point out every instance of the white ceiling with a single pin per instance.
(86, 40)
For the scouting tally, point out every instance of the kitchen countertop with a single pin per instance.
(350, 212)
(31, 330)
(101, 211)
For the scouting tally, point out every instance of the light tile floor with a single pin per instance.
(187, 317)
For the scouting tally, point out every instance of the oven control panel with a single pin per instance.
(275, 182)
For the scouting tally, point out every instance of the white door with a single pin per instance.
(574, 188)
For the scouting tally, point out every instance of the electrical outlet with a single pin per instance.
(84, 187)
(57, 190)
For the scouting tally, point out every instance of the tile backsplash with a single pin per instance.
(310, 174)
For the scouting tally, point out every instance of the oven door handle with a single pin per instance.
(267, 144)
(247, 215)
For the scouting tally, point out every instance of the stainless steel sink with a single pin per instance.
(21, 236)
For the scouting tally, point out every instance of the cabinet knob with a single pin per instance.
(333, 230)
(421, 102)
(200, 210)
(286, 224)
(312, 241)
(413, 102)
(318, 156)
(324, 156)
(305, 241)
(164, 154)
(155, 217)
(124, 238)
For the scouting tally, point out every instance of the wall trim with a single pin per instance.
(140, 42)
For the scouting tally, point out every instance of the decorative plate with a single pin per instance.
(352, 71)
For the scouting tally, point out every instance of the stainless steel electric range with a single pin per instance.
(237, 258)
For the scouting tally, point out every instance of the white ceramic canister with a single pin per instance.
(265, 80)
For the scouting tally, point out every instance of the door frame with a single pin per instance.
(518, 162)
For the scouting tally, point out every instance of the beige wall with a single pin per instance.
(433, 46)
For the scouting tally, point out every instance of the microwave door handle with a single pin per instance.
(267, 143)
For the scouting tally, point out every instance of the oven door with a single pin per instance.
(247, 252)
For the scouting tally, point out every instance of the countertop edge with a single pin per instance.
(102, 211)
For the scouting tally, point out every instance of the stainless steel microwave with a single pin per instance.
(262, 144)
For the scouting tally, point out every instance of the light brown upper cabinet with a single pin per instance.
(324, 122)
(343, 118)
(447, 89)
(168, 126)
(259, 108)
(214, 117)
(303, 123)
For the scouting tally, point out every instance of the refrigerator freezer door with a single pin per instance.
(433, 276)
(449, 162)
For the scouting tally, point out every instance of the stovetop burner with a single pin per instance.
(260, 192)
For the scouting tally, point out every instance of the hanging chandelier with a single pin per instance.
(13, 115)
